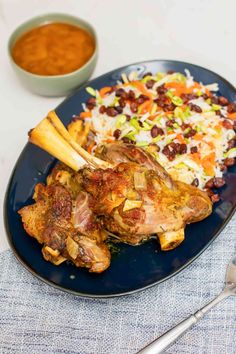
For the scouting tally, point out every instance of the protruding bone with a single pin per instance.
(170, 239)
(47, 138)
(92, 160)
(51, 136)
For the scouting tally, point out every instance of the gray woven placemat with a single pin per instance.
(36, 318)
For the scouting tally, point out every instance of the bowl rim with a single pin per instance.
(45, 18)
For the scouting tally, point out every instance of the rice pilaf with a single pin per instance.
(182, 123)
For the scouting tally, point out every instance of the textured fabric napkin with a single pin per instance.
(36, 318)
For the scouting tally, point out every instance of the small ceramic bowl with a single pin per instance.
(58, 85)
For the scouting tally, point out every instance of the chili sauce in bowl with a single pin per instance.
(53, 54)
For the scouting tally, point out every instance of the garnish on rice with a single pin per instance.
(181, 122)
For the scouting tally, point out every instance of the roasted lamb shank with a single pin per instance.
(138, 198)
(122, 190)
(62, 221)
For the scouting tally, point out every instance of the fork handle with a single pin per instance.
(164, 341)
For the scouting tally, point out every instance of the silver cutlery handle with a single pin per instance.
(164, 341)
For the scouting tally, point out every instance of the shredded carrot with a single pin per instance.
(177, 86)
(208, 163)
(104, 91)
(145, 107)
(218, 126)
(181, 88)
(208, 167)
(180, 138)
(196, 85)
(85, 114)
(218, 130)
(198, 136)
(211, 144)
(141, 87)
(153, 117)
(196, 157)
(232, 115)
(212, 157)
(208, 92)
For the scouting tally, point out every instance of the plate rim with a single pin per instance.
(126, 293)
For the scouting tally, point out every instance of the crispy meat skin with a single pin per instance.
(52, 208)
(55, 218)
(82, 218)
(162, 209)
(167, 205)
(118, 152)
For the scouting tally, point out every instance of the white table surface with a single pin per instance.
(202, 32)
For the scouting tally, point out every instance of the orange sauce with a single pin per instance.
(53, 49)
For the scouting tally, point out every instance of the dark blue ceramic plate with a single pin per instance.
(133, 268)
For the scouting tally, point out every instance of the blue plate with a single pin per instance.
(133, 268)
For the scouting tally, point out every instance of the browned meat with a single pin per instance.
(118, 152)
(83, 219)
(92, 254)
(53, 207)
(134, 202)
(65, 230)
(166, 205)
